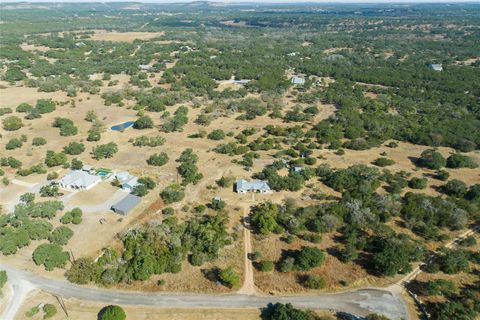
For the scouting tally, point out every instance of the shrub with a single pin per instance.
(104, 150)
(67, 128)
(216, 134)
(158, 159)
(74, 216)
(74, 148)
(266, 266)
(49, 310)
(4, 111)
(313, 281)
(24, 107)
(44, 106)
(93, 135)
(431, 159)
(39, 141)
(61, 235)
(455, 188)
(3, 279)
(13, 144)
(417, 183)
(12, 123)
(442, 175)
(49, 191)
(172, 193)
(54, 159)
(229, 277)
(112, 312)
(281, 311)
(143, 122)
(52, 175)
(383, 162)
(460, 161)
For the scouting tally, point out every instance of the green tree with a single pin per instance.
(143, 122)
(458, 160)
(158, 159)
(74, 148)
(54, 159)
(112, 312)
(281, 311)
(172, 193)
(313, 281)
(50, 255)
(38, 141)
(104, 150)
(263, 217)
(432, 159)
(61, 235)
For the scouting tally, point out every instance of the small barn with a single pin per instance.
(126, 205)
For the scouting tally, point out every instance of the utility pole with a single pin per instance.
(62, 305)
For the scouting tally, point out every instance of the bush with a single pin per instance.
(38, 141)
(383, 162)
(172, 193)
(4, 111)
(67, 128)
(60, 235)
(3, 279)
(104, 150)
(52, 175)
(442, 175)
(44, 106)
(266, 266)
(158, 159)
(229, 278)
(12, 123)
(431, 159)
(74, 148)
(76, 164)
(74, 216)
(216, 134)
(24, 107)
(54, 159)
(281, 311)
(49, 191)
(455, 188)
(313, 281)
(460, 161)
(13, 144)
(93, 135)
(112, 312)
(143, 122)
(49, 310)
(417, 183)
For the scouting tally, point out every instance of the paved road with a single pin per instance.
(360, 302)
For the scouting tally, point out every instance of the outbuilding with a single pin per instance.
(126, 205)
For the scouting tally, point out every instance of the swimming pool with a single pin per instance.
(122, 126)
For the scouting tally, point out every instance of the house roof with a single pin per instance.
(298, 80)
(127, 203)
(256, 185)
(132, 182)
(436, 67)
(79, 178)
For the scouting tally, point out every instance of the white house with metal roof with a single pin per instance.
(79, 180)
(127, 181)
(436, 67)
(297, 81)
(244, 186)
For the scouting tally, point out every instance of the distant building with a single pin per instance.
(436, 67)
(297, 169)
(297, 81)
(292, 54)
(79, 180)
(145, 67)
(244, 186)
(87, 168)
(126, 205)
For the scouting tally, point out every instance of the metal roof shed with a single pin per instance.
(125, 205)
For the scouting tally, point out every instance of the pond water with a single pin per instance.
(122, 126)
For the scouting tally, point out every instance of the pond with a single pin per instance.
(122, 126)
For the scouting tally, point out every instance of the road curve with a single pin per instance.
(359, 302)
